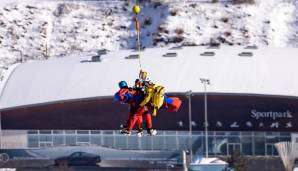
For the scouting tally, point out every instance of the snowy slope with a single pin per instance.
(31, 30)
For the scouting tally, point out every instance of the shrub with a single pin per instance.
(157, 4)
(174, 12)
(179, 31)
(225, 19)
(147, 21)
(237, 161)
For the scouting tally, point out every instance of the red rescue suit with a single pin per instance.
(136, 112)
(136, 117)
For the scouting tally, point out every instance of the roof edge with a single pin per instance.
(52, 102)
(5, 109)
(7, 76)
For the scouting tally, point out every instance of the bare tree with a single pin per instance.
(237, 161)
(287, 153)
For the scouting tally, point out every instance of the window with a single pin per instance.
(270, 150)
(246, 142)
(33, 141)
(132, 57)
(208, 54)
(83, 139)
(251, 47)
(70, 131)
(95, 132)
(170, 54)
(96, 58)
(82, 132)
(45, 144)
(70, 140)
(32, 132)
(219, 145)
(58, 132)
(45, 132)
(45, 138)
(102, 52)
(220, 142)
(95, 139)
(259, 145)
(232, 147)
(245, 54)
(75, 155)
(58, 140)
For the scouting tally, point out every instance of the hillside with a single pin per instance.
(57, 28)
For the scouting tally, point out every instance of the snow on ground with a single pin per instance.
(30, 30)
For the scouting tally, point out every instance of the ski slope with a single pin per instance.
(36, 31)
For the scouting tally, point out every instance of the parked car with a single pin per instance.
(79, 158)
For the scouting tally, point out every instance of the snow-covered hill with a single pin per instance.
(30, 30)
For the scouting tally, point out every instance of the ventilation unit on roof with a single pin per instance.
(132, 56)
(207, 54)
(176, 48)
(171, 54)
(102, 52)
(137, 49)
(214, 46)
(251, 47)
(96, 59)
(245, 54)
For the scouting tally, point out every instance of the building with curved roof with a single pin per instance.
(242, 74)
(252, 89)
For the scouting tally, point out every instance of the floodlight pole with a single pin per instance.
(188, 95)
(205, 82)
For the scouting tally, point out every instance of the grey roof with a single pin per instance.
(265, 70)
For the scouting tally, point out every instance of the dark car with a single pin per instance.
(79, 158)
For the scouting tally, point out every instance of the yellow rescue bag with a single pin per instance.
(157, 99)
(158, 96)
(154, 95)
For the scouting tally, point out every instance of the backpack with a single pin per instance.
(154, 95)
(158, 97)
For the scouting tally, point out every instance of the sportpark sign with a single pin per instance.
(226, 112)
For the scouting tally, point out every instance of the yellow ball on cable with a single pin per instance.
(136, 9)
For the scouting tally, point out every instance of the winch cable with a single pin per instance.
(136, 10)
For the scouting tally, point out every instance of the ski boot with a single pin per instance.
(140, 132)
(125, 132)
(151, 132)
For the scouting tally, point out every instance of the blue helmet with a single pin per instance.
(123, 84)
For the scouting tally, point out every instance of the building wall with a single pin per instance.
(226, 112)
(14, 139)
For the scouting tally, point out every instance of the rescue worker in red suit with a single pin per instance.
(147, 110)
(133, 96)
